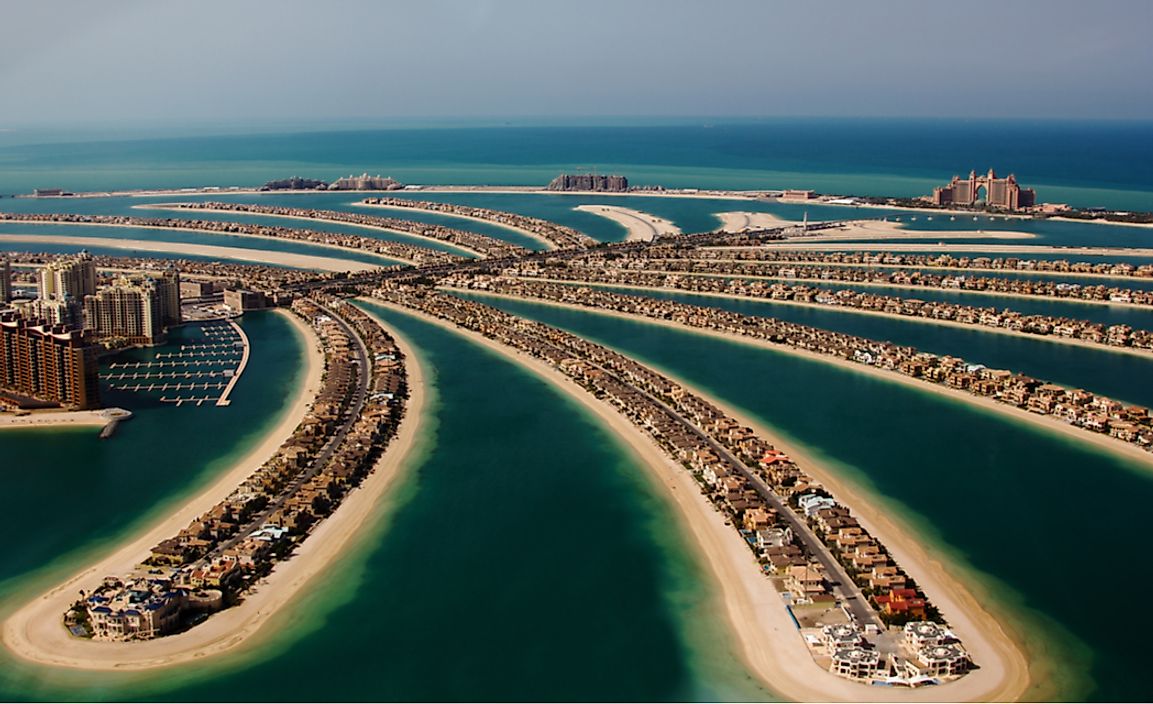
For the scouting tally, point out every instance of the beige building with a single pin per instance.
(72, 278)
(138, 309)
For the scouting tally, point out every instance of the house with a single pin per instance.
(856, 663)
(901, 602)
(805, 582)
(948, 660)
(839, 636)
(922, 634)
(757, 519)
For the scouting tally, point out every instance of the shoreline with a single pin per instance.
(34, 633)
(879, 284)
(1117, 447)
(1053, 339)
(736, 222)
(764, 633)
(976, 247)
(640, 226)
(216, 252)
(97, 418)
(547, 244)
(168, 207)
(218, 233)
(707, 194)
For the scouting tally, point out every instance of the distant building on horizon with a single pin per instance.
(295, 183)
(364, 182)
(589, 182)
(1002, 193)
(46, 363)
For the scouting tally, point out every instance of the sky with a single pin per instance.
(69, 62)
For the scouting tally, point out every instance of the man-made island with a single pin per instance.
(829, 577)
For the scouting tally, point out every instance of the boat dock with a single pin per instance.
(199, 372)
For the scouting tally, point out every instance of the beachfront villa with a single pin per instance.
(138, 609)
(856, 663)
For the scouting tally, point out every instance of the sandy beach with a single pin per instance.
(799, 245)
(35, 632)
(263, 256)
(966, 270)
(768, 640)
(641, 226)
(833, 283)
(399, 233)
(892, 230)
(739, 221)
(45, 419)
(547, 244)
(1105, 442)
(218, 233)
(1054, 339)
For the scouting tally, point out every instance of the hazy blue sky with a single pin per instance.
(242, 60)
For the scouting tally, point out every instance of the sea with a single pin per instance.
(526, 555)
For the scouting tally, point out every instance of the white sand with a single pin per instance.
(546, 243)
(641, 226)
(833, 283)
(995, 249)
(35, 631)
(399, 233)
(770, 643)
(42, 419)
(1053, 339)
(263, 256)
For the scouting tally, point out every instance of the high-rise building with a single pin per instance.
(68, 312)
(996, 192)
(72, 278)
(167, 286)
(136, 307)
(5, 281)
(46, 363)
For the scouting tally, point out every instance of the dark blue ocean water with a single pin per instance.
(1087, 163)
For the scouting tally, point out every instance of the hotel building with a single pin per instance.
(46, 363)
(1002, 193)
(137, 309)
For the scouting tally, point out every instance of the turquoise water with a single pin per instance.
(1097, 164)
(146, 234)
(531, 543)
(994, 495)
(1125, 377)
(95, 493)
(604, 601)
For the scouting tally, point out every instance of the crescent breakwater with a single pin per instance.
(1126, 429)
(805, 542)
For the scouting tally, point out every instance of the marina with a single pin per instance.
(198, 373)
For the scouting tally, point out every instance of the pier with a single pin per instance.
(198, 373)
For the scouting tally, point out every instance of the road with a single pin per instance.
(844, 588)
(351, 413)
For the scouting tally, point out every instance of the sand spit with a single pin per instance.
(35, 631)
(641, 226)
(767, 637)
(264, 256)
